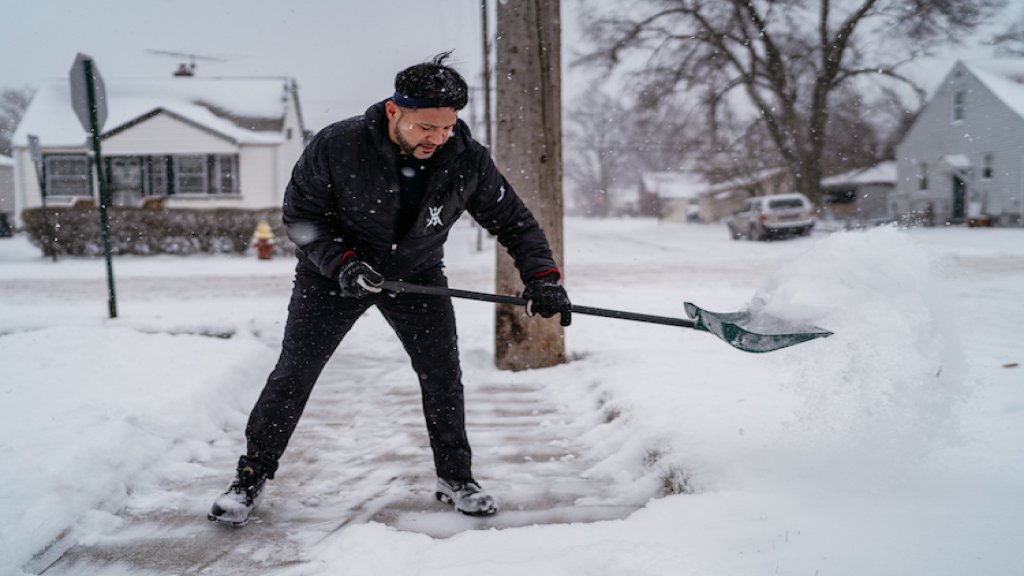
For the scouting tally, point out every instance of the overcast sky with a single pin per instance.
(343, 53)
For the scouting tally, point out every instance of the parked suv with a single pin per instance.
(777, 215)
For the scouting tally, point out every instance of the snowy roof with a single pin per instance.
(1004, 77)
(244, 110)
(960, 161)
(679, 185)
(745, 181)
(6, 160)
(883, 173)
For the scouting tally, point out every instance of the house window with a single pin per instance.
(190, 175)
(986, 167)
(67, 175)
(157, 170)
(225, 174)
(958, 105)
(213, 174)
(922, 176)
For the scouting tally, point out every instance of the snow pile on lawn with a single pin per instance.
(700, 416)
(892, 447)
(894, 371)
(87, 410)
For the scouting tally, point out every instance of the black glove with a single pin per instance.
(547, 298)
(358, 279)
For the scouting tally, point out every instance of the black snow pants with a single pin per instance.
(318, 319)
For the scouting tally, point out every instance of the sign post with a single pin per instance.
(89, 100)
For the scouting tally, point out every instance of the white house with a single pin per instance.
(181, 141)
(860, 197)
(675, 194)
(963, 158)
(6, 194)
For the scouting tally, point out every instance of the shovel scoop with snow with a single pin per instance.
(742, 330)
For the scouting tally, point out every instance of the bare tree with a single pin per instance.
(596, 154)
(13, 103)
(858, 130)
(661, 138)
(780, 64)
(609, 145)
(739, 151)
(1010, 41)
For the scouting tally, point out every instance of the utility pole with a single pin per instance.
(528, 151)
(485, 35)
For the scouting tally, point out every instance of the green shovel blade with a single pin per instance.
(744, 331)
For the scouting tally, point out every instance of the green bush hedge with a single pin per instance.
(143, 231)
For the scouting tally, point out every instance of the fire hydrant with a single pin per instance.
(264, 241)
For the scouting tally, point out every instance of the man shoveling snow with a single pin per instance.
(374, 197)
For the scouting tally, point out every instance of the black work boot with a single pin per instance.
(234, 506)
(466, 496)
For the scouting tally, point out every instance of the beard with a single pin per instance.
(408, 148)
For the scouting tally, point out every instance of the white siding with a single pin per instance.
(7, 189)
(26, 184)
(259, 182)
(289, 151)
(164, 134)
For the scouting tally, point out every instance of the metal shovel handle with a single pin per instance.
(398, 286)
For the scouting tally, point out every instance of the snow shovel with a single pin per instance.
(741, 330)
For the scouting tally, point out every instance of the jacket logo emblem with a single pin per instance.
(501, 195)
(435, 216)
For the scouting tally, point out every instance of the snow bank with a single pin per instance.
(78, 424)
(889, 381)
(772, 463)
(845, 409)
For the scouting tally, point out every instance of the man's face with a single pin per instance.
(419, 132)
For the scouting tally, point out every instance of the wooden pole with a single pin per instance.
(528, 151)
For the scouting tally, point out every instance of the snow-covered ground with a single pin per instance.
(894, 447)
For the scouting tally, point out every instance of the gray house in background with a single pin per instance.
(860, 197)
(963, 159)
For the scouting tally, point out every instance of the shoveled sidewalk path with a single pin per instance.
(360, 454)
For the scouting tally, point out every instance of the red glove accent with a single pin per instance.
(345, 256)
(548, 273)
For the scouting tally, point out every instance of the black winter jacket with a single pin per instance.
(343, 198)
